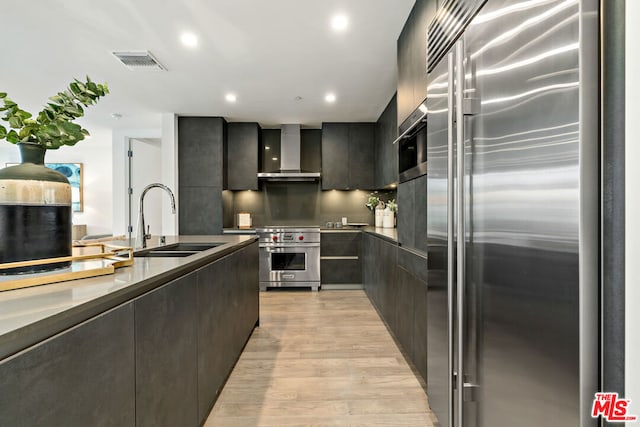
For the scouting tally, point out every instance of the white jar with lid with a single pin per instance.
(388, 220)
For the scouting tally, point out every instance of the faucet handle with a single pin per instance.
(148, 235)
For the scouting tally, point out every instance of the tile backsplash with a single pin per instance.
(298, 203)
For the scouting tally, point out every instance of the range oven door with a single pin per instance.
(288, 265)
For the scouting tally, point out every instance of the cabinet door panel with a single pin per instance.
(335, 156)
(270, 150)
(166, 359)
(201, 151)
(81, 377)
(406, 213)
(420, 328)
(361, 156)
(311, 150)
(215, 358)
(242, 156)
(340, 244)
(200, 210)
(425, 11)
(403, 325)
(227, 313)
(340, 271)
(405, 84)
(386, 152)
(420, 213)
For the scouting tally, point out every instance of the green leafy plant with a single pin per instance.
(373, 201)
(392, 205)
(53, 126)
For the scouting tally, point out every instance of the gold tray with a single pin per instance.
(97, 259)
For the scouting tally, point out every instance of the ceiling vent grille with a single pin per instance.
(143, 60)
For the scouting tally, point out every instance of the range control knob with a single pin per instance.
(300, 237)
(275, 238)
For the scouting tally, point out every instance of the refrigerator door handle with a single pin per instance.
(460, 199)
(450, 237)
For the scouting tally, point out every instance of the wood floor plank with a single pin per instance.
(321, 359)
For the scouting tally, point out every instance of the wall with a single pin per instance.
(95, 156)
(299, 203)
(632, 197)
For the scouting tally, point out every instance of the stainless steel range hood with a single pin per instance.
(289, 158)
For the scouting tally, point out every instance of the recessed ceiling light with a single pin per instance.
(116, 116)
(231, 97)
(330, 97)
(189, 39)
(339, 22)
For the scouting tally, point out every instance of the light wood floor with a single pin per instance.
(321, 359)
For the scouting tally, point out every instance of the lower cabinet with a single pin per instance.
(340, 262)
(83, 376)
(166, 346)
(394, 280)
(227, 313)
(159, 360)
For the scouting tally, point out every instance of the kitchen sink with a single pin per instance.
(178, 250)
(166, 254)
(187, 247)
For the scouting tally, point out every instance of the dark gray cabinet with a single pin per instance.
(166, 359)
(243, 161)
(270, 148)
(412, 213)
(412, 58)
(202, 144)
(405, 59)
(227, 313)
(159, 360)
(386, 151)
(335, 156)
(340, 254)
(348, 156)
(311, 150)
(362, 139)
(81, 377)
(395, 282)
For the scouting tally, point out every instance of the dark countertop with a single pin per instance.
(30, 315)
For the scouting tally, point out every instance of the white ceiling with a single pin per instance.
(267, 52)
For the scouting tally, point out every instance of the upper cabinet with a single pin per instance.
(386, 152)
(412, 58)
(243, 156)
(348, 156)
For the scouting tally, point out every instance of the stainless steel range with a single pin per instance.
(289, 257)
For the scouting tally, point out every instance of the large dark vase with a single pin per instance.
(35, 212)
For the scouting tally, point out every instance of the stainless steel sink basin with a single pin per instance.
(178, 250)
(166, 254)
(188, 247)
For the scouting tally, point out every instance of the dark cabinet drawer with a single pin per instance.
(340, 271)
(340, 244)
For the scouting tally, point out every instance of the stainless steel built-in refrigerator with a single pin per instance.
(513, 223)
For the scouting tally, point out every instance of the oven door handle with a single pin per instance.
(289, 245)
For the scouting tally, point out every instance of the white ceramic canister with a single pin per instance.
(388, 220)
(379, 217)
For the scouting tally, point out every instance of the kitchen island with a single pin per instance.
(151, 344)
